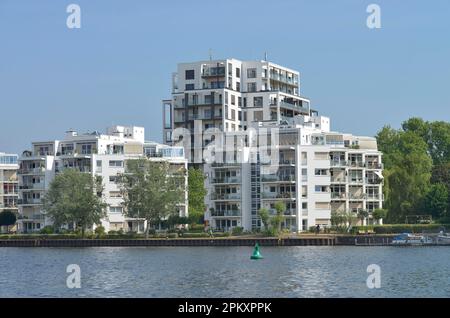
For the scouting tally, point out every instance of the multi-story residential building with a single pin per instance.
(102, 155)
(317, 171)
(229, 94)
(312, 170)
(9, 192)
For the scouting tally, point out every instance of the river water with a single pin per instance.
(316, 271)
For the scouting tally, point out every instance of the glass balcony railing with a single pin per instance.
(226, 180)
(226, 213)
(225, 196)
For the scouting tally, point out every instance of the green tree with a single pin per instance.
(379, 214)
(436, 200)
(362, 215)
(196, 194)
(75, 197)
(7, 218)
(407, 171)
(152, 190)
(264, 216)
(277, 219)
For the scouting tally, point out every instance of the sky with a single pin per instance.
(116, 68)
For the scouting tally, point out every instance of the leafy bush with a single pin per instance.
(237, 230)
(47, 230)
(100, 230)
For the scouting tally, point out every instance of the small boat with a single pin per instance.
(443, 238)
(407, 239)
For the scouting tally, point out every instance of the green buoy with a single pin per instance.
(256, 254)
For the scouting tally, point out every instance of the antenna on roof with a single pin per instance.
(265, 56)
(210, 54)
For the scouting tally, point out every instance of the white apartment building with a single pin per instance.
(229, 94)
(9, 188)
(102, 155)
(317, 172)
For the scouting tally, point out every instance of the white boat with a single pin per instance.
(411, 239)
(443, 238)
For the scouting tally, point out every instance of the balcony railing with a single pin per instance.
(226, 213)
(338, 195)
(338, 179)
(277, 178)
(214, 71)
(294, 107)
(31, 170)
(356, 164)
(226, 180)
(357, 196)
(225, 196)
(276, 195)
(372, 165)
(29, 201)
(338, 163)
(32, 186)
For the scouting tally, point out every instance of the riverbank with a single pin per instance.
(300, 240)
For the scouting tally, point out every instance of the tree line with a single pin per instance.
(417, 170)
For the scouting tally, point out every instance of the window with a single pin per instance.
(321, 172)
(167, 116)
(239, 101)
(233, 114)
(321, 155)
(189, 74)
(233, 100)
(258, 101)
(115, 209)
(116, 163)
(115, 194)
(322, 205)
(251, 73)
(238, 72)
(99, 166)
(304, 205)
(321, 188)
(113, 179)
(86, 149)
(258, 115)
(251, 87)
(238, 86)
(239, 115)
(189, 87)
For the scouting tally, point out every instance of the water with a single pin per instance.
(314, 271)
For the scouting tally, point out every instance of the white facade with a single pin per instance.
(102, 155)
(317, 172)
(230, 94)
(8, 182)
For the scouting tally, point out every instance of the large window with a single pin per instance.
(251, 72)
(167, 116)
(258, 101)
(116, 163)
(251, 87)
(190, 87)
(189, 74)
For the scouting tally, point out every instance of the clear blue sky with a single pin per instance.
(117, 67)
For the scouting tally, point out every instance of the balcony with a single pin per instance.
(338, 196)
(283, 78)
(32, 186)
(338, 179)
(225, 164)
(222, 213)
(225, 196)
(357, 196)
(29, 201)
(276, 178)
(373, 165)
(213, 72)
(338, 163)
(355, 164)
(374, 197)
(373, 180)
(33, 171)
(295, 107)
(226, 180)
(276, 195)
(356, 180)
